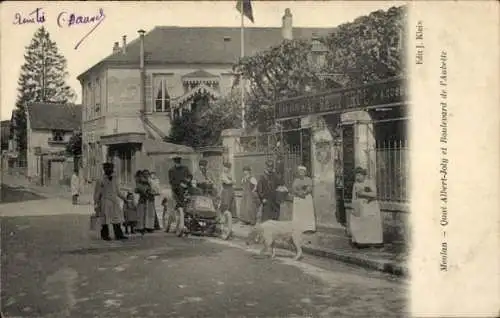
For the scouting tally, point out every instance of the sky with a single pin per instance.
(126, 18)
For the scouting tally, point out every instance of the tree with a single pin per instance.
(370, 48)
(42, 79)
(365, 50)
(74, 148)
(203, 126)
(282, 71)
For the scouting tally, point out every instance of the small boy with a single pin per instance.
(167, 216)
(130, 213)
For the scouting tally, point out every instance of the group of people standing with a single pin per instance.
(261, 200)
(140, 217)
(267, 193)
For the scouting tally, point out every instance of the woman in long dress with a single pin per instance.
(228, 202)
(365, 220)
(303, 218)
(250, 201)
(146, 206)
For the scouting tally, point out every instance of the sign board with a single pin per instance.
(386, 92)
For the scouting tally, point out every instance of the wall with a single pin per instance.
(174, 74)
(40, 138)
(123, 91)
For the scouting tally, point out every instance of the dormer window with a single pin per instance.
(162, 98)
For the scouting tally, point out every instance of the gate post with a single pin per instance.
(231, 142)
(323, 173)
(364, 140)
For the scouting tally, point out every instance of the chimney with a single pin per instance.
(116, 47)
(286, 26)
(124, 48)
(143, 73)
(141, 38)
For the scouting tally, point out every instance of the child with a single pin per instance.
(130, 214)
(166, 217)
(155, 187)
(155, 183)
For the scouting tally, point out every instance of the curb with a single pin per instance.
(381, 266)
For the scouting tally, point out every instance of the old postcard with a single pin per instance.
(250, 159)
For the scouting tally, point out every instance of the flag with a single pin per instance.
(245, 7)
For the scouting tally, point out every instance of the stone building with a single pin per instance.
(133, 94)
(49, 128)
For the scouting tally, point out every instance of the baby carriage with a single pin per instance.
(202, 217)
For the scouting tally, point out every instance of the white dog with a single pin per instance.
(270, 232)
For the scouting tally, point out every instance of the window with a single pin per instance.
(57, 135)
(89, 101)
(97, 95)
(161, 96)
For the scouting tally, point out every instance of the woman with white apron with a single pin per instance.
(304, 219)
(365, 220)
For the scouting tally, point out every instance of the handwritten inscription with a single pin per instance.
(37, 16)
(64, 20)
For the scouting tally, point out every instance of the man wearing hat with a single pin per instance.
(107, 204)
(205, 179)
(266, 189)
(177, 175)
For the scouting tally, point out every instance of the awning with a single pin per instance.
(123, 138)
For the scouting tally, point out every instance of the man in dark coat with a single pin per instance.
(107, 204)
(266, 189)
(176, 176)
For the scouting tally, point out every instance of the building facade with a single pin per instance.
(49, 128)
(133, 94)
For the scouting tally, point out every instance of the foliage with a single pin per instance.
(42, 79)
(74, 148)
(365, 50)
(368, 49)
(203, 126)
(282, 71)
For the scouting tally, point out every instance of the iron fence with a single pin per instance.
(392, 171)
(287, 148)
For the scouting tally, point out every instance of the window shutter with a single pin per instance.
(148, 93)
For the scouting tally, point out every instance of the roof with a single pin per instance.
(199, 73)
(200, 88)
(207, 45)
(157, 146)
(55, 116)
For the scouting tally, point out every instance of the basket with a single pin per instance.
(95, 222)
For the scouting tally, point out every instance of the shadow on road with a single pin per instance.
(12, 195)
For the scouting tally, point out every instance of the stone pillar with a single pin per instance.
(364, 140)
(323, 172)
(231, 142)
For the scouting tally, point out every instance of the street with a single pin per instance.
(53, 266)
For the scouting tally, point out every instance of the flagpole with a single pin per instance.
(242, 86)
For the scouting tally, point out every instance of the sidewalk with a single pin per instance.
(390, 259)
(62, 192)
